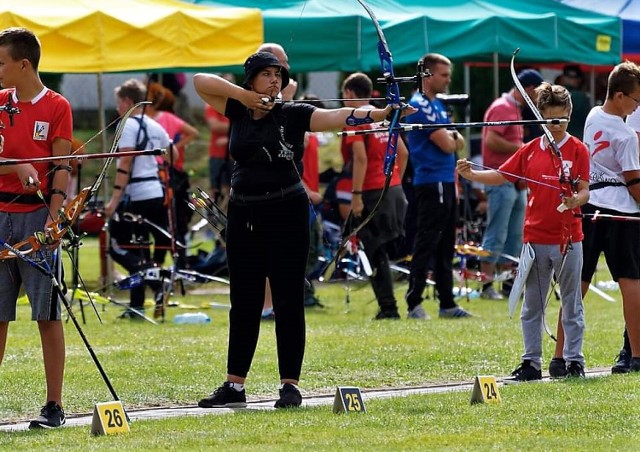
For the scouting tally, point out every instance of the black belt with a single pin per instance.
(22, 198)
(599, 185)
(280, 194)
(135, 180)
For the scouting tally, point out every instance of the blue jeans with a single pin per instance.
(505, 219)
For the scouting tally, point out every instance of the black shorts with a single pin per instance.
(618, 239)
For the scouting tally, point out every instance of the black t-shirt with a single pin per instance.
(268, 151)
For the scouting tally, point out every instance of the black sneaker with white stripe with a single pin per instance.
(224, 397)
(51, 416)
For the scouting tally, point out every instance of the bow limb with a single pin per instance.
(547, 133)
(25, 247)
(393, 99)
(114, 147)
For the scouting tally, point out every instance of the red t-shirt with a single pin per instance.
(39, 123)
(310, 175)
(215, 149)
(173, 125)
(543, 224)
(503, 108)
(376, 148)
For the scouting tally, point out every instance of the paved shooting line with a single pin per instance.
(267, 404)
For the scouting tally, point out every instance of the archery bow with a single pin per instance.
(393, 98)
(69, 215)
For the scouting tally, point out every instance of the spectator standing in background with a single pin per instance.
(433, 157)
(573, 79)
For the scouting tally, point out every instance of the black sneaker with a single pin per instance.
(224, 397)
(623, 363)
(635, 365)
(289, 397)
(387, 314)
(575, 369)
(557, 368)
(526, 372)
(51, 416)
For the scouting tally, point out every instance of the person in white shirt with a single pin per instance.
(614, 187)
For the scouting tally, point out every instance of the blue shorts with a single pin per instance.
(16, 273)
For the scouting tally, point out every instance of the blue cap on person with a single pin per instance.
(259, 61)
(530, 77)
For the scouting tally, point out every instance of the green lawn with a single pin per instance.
(173, 364)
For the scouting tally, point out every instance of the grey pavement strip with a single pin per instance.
(267, 404)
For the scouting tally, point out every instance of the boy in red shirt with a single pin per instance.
(551, 231)
(42, 128)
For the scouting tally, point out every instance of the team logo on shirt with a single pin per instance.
(599, 145)
(40, 131)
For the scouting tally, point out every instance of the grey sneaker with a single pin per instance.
(51, 416)
(453, 313)
(491, 294)
(418, 313)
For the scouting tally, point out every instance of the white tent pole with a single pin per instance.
(106, 273)
(496, 76)
(592, 86)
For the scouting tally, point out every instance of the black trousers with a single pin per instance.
(384, 227)
(435, 239)
(267, 239)
(135, 257)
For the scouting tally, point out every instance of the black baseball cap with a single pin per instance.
(259, 61)
(530, 77)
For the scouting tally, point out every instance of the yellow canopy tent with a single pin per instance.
(94, 36)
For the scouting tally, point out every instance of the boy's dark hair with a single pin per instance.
(359, 83)
(553, 96)
(22, 44)
(624, 78)
(132, 89)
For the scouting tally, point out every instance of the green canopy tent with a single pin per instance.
(326, 35)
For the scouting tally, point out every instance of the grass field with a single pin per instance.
(172, 364)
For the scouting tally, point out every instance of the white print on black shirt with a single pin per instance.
(285, 148)
(266, 151)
